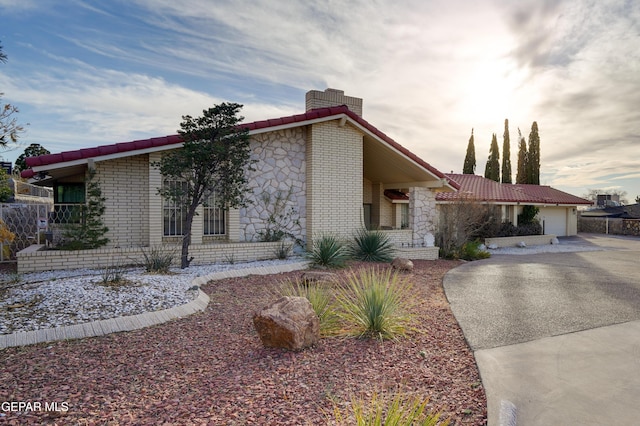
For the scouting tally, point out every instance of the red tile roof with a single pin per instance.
(395, 195)
(483, 189)
(315, 114)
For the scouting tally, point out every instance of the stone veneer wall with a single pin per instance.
(422, 213)
(280, 167)
(123, 183)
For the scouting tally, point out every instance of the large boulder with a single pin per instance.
(402, 264)
(289, 322)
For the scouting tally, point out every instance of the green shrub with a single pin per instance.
(328, 251)
(397, 411)
(372, 246)
(321, 300)
(471, 251)
(158, 260)
(375, 303)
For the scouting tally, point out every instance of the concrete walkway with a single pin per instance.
(147, 319)
(586, 378)
(557, 334)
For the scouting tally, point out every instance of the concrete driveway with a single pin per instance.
(556, 334)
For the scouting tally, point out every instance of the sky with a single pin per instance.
(87, 73)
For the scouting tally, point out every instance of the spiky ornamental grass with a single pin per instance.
(397, 411)
(328, 251)
(372, 246)
(376, 303)
(322, 301)
(158, 259)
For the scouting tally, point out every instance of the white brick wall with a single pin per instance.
(334, 179)
(123, 183)
(32, 260)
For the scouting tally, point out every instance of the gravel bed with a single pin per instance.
(563, 247)
(210, 368)
(40, 300)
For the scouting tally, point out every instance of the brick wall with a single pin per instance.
(32, 259)
(332, 97)
(334, 179)
(124, 184)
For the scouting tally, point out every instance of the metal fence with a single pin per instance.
(22, 225)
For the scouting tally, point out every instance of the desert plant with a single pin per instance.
(113, 274)
(464, 220)
(281, 219)
(321, 300)
(371, 246)
(328, 251)
(397, 411)
(158, 259)
(375, 303)
(283, 251)
(230, 258)
(472, 251)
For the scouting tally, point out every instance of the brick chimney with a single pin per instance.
(332, 97)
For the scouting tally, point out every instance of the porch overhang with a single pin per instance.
(394, 169)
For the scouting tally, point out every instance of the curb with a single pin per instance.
(146, 319)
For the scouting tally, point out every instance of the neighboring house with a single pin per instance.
(335, 164)
(558, 210)
(621, 220)
(632, 211)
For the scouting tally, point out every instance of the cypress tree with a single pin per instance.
(533, 161)
(492, 169)
(521, 176)
(469, 167)
(506, 154)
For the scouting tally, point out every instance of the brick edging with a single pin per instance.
(146, 319)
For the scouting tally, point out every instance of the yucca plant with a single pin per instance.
(321, 300)
(158, 260)
(328, 251)
(396, 411)
(376, 303)
(372, 246)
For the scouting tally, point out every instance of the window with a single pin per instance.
(214, 217)
(69, 199)
(404, 219)
(69, 193)
(174, 214)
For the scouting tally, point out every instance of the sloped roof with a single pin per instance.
(395, 195)
(478, 188)
(631, 211)
(40, 163)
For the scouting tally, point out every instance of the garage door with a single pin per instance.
(555, 220)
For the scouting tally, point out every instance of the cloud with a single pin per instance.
(17, 5)
(89, 106)
(428, 72)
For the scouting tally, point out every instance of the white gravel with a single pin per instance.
(563, 247)
(40, 300)
(52, 299)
